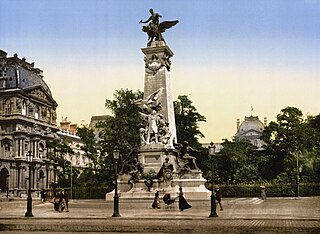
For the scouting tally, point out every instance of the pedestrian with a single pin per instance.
(156, 201)
(218, 197)
(42, 195)
(62, 202)
(56, 201)
(45, 195)
(183, 204)
(66, 199)
(263, 192)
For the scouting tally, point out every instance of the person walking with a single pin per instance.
(42, 195)
(218, 197)
(56, 201)
(183, 204)
(62, 202)
(156, 201)
(66, 199)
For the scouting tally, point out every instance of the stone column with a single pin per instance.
(157, 76)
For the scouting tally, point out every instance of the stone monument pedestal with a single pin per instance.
(152, 159)
(193, 189)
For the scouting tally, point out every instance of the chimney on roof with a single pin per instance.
(265, 122)
(238, 124)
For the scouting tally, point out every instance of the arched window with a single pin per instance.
(24, 108)
(7, 107)
(41, 177)
(41, 149)
(6, 145)
(4, 176)
(36, 112)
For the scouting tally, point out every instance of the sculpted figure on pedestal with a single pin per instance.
(155, 28)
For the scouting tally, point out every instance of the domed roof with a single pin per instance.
(28, 79)
(22, 75)
(251, 123)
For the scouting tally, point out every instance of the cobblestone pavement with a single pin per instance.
(242, 215)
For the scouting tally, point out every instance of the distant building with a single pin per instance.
(251, 129)
(217, 146)
(68, 133)
(27, 123)
(95, 120)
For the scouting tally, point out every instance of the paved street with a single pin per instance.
(242, 215)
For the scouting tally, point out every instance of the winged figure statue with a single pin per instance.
(152, 102)
(155, 28)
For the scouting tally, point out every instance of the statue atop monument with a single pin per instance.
(155, 28)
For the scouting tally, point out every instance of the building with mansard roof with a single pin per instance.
(251, 129)
(27, 123)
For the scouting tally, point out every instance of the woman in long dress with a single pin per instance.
(183, 204)
(156, 201)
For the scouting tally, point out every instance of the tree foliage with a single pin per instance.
(58, 149)
(90, 146)
(235, 163)
(121, 130)
(187, 121)
(292, 139)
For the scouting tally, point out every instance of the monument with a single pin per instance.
(161, 164)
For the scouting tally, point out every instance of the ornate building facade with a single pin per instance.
(27, 123)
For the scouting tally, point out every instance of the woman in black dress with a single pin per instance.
(156, 201)
(183, 204)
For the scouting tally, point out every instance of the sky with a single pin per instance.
(229, 55)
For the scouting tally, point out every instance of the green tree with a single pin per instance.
(235, 163)
(90, 146)
(122, 128)
(289, 139)
(58, 149)
(187, 121)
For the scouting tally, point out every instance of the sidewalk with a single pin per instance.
(289, 215)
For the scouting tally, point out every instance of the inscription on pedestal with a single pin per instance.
(151, 159)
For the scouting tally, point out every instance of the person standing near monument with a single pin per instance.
(183, 204)
(263, 192)
(66, 198)
(156, 201)
(218, 197)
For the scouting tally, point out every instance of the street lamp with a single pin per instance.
(212, 151)
(29, 199)
(116, 155)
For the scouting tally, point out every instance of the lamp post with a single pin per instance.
(116, 155)
(29, 199)
(213, 212)
(299, 169)
(71, 181)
